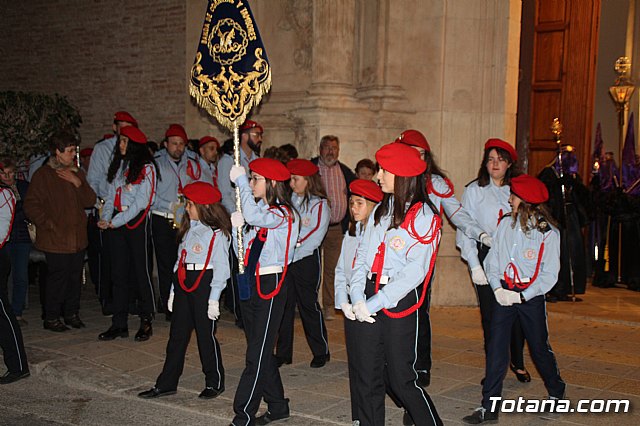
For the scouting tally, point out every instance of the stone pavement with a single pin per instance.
(597, 343)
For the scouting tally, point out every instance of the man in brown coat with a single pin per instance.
(55, 203)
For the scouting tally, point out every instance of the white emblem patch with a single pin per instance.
(530, 254)
(197, 248)
(306, 221)
(397, 243)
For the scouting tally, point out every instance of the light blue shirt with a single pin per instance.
(224, 183)
(174, 176)
(134, 197)
(456, 213)
(7, 207)
(345, 265)
(209, 172)
(196, 243)
(260, 215)
(485, 204)
(406, 260)
(101, 158)
(314, 222)
(512, 245)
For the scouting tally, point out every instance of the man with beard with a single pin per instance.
(336, 178)
(178, 167)
(250, 143)
(97, 178)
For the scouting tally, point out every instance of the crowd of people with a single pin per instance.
(278, 234)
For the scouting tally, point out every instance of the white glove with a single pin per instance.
(486, 239)
(513, 297)
(478, 277)
(502, 296)
(347, 311)
(213, 312)
(236, 172)
(170, 302)
(237, 220)
(361, 312)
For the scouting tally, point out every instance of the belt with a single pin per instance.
(162, 214)
(270, 270)
(384, 279)
(197, 266)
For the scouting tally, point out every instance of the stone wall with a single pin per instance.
(103, 55)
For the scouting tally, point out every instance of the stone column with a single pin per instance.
(333, 48)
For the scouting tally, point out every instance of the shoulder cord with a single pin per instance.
(12, 208)
(514, 280)
(182, 273)
(434, 240)
(146, 210)
(190, 172)
(431, 189)
(301, 240)
(275, 292)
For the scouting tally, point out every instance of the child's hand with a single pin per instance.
(237, 220)
(236, 172)
(362, 313)
(347, 311)
(214, 310)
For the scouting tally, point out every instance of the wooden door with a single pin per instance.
(558, 51)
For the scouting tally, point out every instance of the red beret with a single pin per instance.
(125, 116)
(400, 159)
(176, 130)
(367, 189)
(202, 193)
(134, 134)
(206, 139)
(300, 167)
(270, 168)
(499, 143)
(529, 189)
(249, 124)
(414, 138)
(86, 152)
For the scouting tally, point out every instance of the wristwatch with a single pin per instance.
(522, 299)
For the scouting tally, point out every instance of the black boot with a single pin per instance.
(145, 330)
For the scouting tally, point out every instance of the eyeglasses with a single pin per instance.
(256, 178)
(256, 134)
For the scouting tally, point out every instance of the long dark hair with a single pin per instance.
(483, 174)
(212, 215)
(432, 166)
(405, 190)
(136, 157)
(279, 196)
(314, 188)
(533, 216)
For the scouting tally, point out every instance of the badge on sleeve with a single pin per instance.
(197, 248)
(397, 243)
(530, 254)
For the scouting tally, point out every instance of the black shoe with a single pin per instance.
(145, 331)
(113, 332)
(210, 392)
(268, 417)
(424, 378)
(280, 361)
(481, 415)
(320, 360)
(154, 392)
(406, 419)
(74, 321)
(55, 325)
(522, 377)
(10, 377)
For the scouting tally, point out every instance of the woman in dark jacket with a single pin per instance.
(55, 203)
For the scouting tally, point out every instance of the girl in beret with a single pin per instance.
(441, 193)
(365, 195)
(521, 267)
(487, 200)
(201, 271)
(396, 256)
(303, 277)
(132, 178)
(269, 240)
